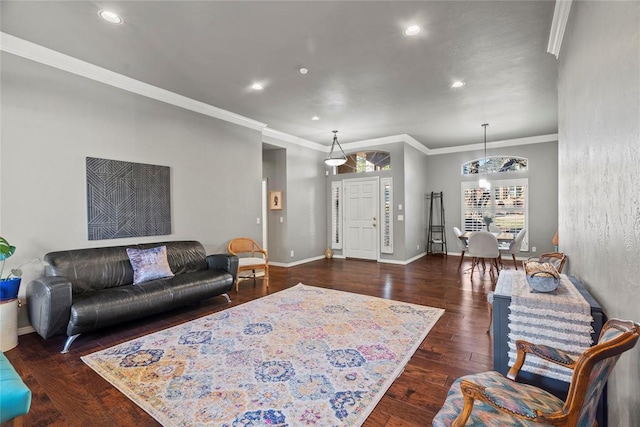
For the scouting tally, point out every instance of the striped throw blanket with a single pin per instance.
(561, 319)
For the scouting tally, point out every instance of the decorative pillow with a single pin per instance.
(149, 264)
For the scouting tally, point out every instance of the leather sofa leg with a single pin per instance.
(68, 342)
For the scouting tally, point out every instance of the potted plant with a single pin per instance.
(9, 285)
(488, 219)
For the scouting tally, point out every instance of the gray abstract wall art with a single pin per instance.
(126, 199)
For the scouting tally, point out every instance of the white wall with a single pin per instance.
(599, 156)
(53, 120)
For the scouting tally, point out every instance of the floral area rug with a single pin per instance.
(305, 356)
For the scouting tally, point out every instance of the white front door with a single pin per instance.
(361, 218)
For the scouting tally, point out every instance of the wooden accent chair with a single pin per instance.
(488, 398)
(251, 258)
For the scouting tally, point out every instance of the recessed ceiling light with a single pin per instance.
(110, 17)
(257, 86)
(457, 84)
(412, 30)
(315, 118)
(304, 70)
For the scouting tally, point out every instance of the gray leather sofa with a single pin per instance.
(88, 289)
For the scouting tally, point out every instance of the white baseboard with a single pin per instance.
(25, 330)
(293, 264)
(408, 261)
(306, 260)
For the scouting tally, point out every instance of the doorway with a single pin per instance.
(361, 218)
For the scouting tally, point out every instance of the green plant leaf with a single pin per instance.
(6, 251)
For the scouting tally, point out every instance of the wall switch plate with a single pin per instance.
(418, 247)
(533, 248)
(292, 253)
(400, 217)
(400, 207)
(281, 219)
(258, 220)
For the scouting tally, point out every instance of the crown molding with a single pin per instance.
(52, 58)
(368, 143)
(552, 137)
(279, 136)
(558, 26)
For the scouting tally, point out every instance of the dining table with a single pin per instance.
(502, 236)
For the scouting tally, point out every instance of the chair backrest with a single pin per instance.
(462, 245)
(244, 245)
(483, 244)
(557, 259)
(517, 242)
(593, 368)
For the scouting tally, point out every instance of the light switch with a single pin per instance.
(281, 219)
(400, 217)
(400, 207)
(258, 220)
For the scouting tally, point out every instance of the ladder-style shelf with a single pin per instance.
(436, 235)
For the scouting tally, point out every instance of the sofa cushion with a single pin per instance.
(149, 264)
(92, 310)
(100, 268)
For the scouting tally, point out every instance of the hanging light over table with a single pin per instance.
(484, 177)
(339, 160)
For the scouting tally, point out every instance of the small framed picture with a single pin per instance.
(275, 200)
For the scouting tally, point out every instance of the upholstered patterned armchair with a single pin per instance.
(489, 398)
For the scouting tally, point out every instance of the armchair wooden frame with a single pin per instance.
(246, 246)
(581, 380)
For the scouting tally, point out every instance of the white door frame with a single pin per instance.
(265, 228)
(375, 180)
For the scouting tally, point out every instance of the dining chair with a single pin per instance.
(514, 246)
(483, 245)
(489, 398)
(251, 257)
(461, 243)
(494, 229)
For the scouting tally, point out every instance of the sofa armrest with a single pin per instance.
(49, 305)
(225, 262)
(15, 396)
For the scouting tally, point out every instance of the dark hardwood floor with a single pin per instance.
(68, 393)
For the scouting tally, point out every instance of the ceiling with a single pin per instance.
(365, 77)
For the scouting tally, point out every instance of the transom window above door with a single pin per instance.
(366, 161)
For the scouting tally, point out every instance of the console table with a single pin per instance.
(501, 311)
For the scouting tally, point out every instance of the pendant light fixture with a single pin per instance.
(484, 177)
(335, 161)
